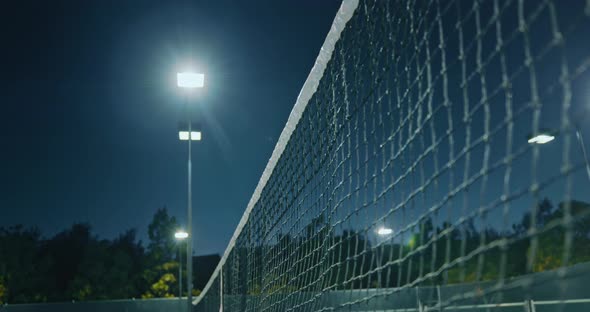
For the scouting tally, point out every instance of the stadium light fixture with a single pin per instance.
(384, 231)
(195, 135)
(180, 235)
(190, 80)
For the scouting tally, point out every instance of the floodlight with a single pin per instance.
(195, 135)
(190, 80)
(541, 138)
(181, 235)
(183, 135)
(384, 231)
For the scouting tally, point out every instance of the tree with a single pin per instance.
(161, 234)
(129, 258)
(165, 285)
(543, 214)
(159, 262)
(76, 265)
(3, 291)
(109, 269)
(66, 251)
(551, 247)
(19, 280)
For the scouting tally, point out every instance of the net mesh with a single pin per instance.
(415, 178)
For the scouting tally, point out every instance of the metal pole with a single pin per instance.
(180, 271)
(189, 245)
(583, 148)
(378, 265)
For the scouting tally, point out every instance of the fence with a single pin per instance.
(131, 305)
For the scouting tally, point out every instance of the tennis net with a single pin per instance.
(434, 160)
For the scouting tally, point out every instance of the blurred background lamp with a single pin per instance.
(183, 135)
(181, 235)
(190, 80)
(541, 138)
(384, 231)
(196, 135)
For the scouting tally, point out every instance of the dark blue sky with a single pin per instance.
(89, 108)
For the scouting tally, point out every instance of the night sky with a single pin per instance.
(90, 109)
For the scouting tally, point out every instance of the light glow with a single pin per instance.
(541, 139)
(384, 231)
(183, 135)
(195, 135)
(181, 235)
(190, 80)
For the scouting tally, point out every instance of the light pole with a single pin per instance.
(180, 236)
(189, 81)
(583, 148)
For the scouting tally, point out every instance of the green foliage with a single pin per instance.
(161, 288)
(160, 264)
(474, 271)
(349, 261)
(3, 290)
(107, 269)
(161, 234)
(19, 264)
(164, 284)
(77, 265)
(551, 252)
